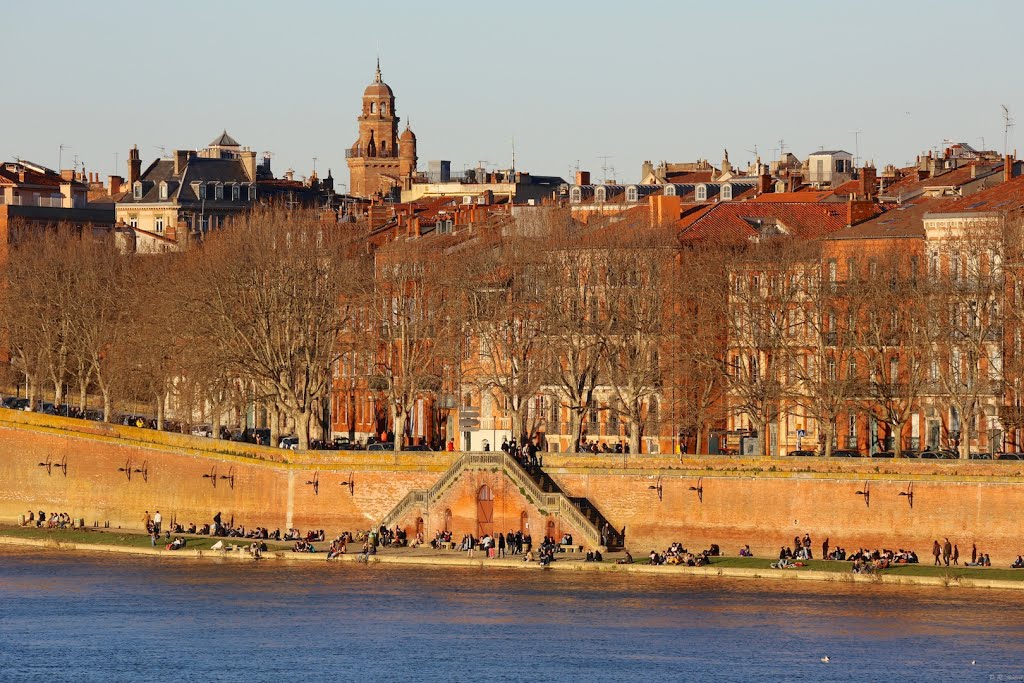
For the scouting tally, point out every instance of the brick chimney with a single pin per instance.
(764, 183)
(114, 183)
(134, 165)
(249, 163)
(1008, 161)
(582, 177)
(858, 210)
(180, 161)
(665, 209)
(867, 183)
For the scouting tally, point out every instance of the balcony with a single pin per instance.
(362, 154)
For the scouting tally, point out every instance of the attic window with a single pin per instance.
(218, 191)
(576, 195)
(236, 192)
(632, 195)
(600, 194)
(670, 191)
(163, 190)
(137, 190)
(252, 192)
(702, 193)
(726, 192)
(202, 190)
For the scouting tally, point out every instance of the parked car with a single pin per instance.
(202, 430)
(981, 456)
(801, 454)
(883, 454)
(846, 453)
(1010, 456)
(941, 454)
(418, 447)
(381, 446)
(15, 403)
(289, 442)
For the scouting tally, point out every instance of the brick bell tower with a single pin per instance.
(380, 161)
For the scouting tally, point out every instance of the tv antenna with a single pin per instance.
(163, 150)
(60, 155)
(314, 164)
(1008, 123)
(856, 147)
(604, 167)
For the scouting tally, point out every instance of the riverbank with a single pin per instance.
(199, 547)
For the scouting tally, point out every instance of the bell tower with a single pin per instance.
(375, 161)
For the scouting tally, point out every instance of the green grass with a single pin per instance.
(121, 538)
(991, 573)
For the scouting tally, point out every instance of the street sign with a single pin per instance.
(801, 433)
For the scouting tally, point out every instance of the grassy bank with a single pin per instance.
(736, 567)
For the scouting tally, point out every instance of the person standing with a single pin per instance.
(157, 521)
(974, 553)
(824, 549)
(936, 551)
(501, 544)
(947, 551)
(956, 554)
(146, 519)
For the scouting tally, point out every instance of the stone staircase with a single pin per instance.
(535, 484)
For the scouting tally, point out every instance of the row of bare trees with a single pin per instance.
(620, 318)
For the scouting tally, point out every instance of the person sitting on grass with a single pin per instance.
(1018, 563)
(745, 551)
(628, 559)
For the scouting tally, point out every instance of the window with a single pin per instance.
(202, 190)
(632, 195)
(600, 194)
(158, 224)
(373, 107)
(236, 192)
(163, 190)
(252, 192)
(832, 274)
(384, 108)
(218, 191)
(133, 221)
(702, 193)
(852, 426)
(670, 191)
(137, 190)
(726, 192)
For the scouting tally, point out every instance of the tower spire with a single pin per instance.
(377, 79)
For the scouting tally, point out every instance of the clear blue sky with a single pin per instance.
(569, 81)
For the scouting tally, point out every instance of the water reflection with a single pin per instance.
(145, 619)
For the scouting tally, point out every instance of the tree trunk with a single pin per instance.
(58, 393)
(575, 430)
(398, 416)
(107, 408)
(160, 414)
(301, 418)
(517, 425)
(274, 417)
(634, 436)
(83, 395)
(897, 438)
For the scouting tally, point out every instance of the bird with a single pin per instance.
(973, 662)
(825, 660)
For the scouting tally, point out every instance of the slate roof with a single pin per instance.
(224, 140)
(179, 187)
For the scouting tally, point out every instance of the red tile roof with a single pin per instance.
(1004, 197)
(746, 219)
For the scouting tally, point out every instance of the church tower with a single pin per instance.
(379, 161)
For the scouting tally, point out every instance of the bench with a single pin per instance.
(571, 548)
(447, 545)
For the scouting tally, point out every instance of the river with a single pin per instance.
(97, 617)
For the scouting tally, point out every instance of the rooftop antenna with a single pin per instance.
(513, 155)
(856, 147)
(114, 172)
(982, 138)
(74, 163)
(60, 155)
(163, 150)
(782, 148)
(1008, 123)
(604, 167)
(314, 164)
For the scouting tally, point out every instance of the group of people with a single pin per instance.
(950, 552)
(595, 448)
(526, 453)
(56, 520)
(339, 546)
(512, 543)
(676, 554)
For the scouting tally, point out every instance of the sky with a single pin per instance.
(597, 85)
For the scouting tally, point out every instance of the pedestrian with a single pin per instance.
(956, 554)
(974, 553)
(947, 551)
(157, 521)
(936, 551)
(145, 521)
(501, 544)
(824, 549)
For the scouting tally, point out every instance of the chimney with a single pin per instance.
(665, 209)
(114, 183)
(646, 169)
(134, 165)
(764, 182)
(858, 211)
(868, 182)
(1008, 168)
(249, 163)
(67, 174)
(180, 161)
(582, 177)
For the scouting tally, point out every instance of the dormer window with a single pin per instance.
(670, 191)
(137, 190)
(702, 193)
(202, 190)
(632, 195)
(576, 195)
(236, 192)
(726, 192)
(218, 191)
(163, 190)
(600, 194)
(252, 192)
(780, 186)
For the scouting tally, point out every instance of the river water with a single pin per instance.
(97, 617)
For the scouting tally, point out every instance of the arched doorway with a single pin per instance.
(484, 512)
(551, 532)
(419, 527)
(524, 523)
(448, 519)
